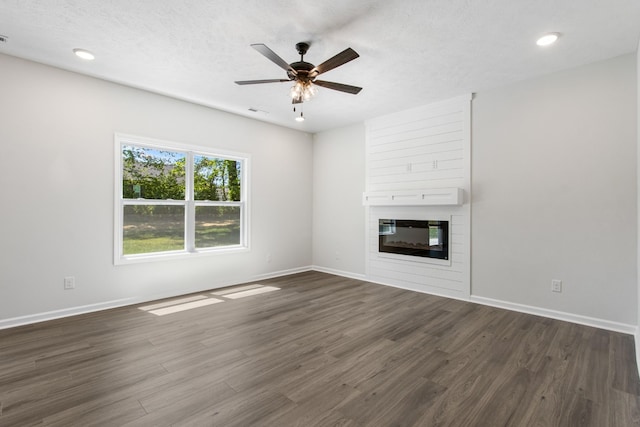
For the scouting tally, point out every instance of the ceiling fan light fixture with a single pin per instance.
(310, 92)
(303, 90)
(300, 118)
(548, 39)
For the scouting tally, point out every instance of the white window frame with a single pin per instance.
(189, 203)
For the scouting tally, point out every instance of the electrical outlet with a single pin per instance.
(556, 285)
(69, 282)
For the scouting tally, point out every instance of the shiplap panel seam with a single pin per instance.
(418, 177)
(441, 158)
(421, 126)
(436, 155)
(434, 183)
(420, 275)
(423, 270)
(419, 168)
(439, 138)
(442, 108)
(433, 131)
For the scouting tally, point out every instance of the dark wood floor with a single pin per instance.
(322, 351)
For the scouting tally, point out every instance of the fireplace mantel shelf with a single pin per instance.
(424, 197)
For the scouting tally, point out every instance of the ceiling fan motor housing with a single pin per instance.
(302, 69)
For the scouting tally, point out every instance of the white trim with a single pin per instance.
(175, 145)
(181, 254)
(520, 308)
(341, 273)
(636, 337)
(558, 315)
(426, 197)
(67, 312)
(90, 308)
(364, 278)
(431, 291)
(271, 275)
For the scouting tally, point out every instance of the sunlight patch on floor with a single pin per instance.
(235, 289)
(250, 292)
(172, 302)
(195, 301)
(185, 306)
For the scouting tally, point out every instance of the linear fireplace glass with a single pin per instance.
(422, 238)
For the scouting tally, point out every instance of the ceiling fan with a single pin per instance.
(304, 73)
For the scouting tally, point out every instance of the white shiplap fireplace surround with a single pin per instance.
(418, 167)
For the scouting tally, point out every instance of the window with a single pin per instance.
(175, 200)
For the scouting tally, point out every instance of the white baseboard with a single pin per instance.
(348, 274)
(364, 277)
(636, 337)
(90, 308)
(568, 317)
(275, 274)
(430, 291)
(559, 315)
(521, 308)
(66, 312)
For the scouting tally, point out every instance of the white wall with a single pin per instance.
(57, 176)
(554, 191)
(637, 335)
(338, 214)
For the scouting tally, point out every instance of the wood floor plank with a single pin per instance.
(322, 350)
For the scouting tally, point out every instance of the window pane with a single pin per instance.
(217, 226)
(149, 229)
(152, 174)
(216, 179)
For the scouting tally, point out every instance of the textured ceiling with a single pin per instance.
(412, 52)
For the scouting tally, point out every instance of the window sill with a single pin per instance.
(178, 255)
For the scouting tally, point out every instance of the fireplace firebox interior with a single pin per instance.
(421, 238)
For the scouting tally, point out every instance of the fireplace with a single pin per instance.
(420, 238)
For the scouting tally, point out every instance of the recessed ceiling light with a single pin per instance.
(84, 54)
(547, 39)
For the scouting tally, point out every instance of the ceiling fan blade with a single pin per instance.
(273, 57)
(342, 58)
(255, 82)
(338, 86)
